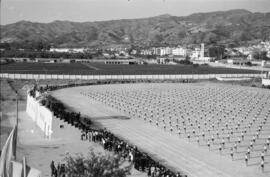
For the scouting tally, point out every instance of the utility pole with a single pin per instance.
(17, 121)
(17, 110)
(24, 166)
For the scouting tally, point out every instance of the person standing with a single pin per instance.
(188, 136)
(248, 152)
(53, 169)
(62, 170)
(198, 140)
(223, 143)
(262, 155)
(235, 147)
(220, 148)
(232, 153)
(264, 148)
(262, 165)
(213, 139)
(246, 159)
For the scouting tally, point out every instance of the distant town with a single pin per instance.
(200, 53)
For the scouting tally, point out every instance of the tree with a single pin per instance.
(166, 60)
(5, 46)
(217, 52)
(249, 63)
(261, 55)
(95, 165)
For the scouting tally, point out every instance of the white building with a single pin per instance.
(195, 53)
(205, 59)
(68, 50)
(77, 50)
(179, 51)
(165, 51)
(59, 49)
(268, 54)
(202, 51)
(146, 52)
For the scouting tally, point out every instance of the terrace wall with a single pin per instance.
(41, 115)
(127, 77)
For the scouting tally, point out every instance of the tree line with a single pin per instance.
(46, 54)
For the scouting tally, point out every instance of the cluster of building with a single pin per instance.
(165, 55)
(249, 51)
(182, 52)
(197, 53)
(163, 51)
(68, 50)
(73, 50)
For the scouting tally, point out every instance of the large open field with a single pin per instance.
(168, 120)
(95, 68)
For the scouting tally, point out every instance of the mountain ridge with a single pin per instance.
(220, 27)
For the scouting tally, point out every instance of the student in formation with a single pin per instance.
(220, 148)
(188, 136)
(262, 165)
(262, 155)
(231, 153)
(208, 144)
(235, 146)
(248, 152)
(268, 143)
(246, 159)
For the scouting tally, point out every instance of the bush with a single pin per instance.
(95, 165)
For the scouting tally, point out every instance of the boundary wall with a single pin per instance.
(255, 68)
(41, 115)
(127, 77)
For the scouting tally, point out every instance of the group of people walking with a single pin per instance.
(57, 171)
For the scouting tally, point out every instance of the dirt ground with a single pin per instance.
(40, 152)
(169, 149)
(31, 144)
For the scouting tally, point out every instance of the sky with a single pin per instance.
(46, 11)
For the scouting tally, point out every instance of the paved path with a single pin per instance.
(90, 66)
(171, 150)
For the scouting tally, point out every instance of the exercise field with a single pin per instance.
(100, 68)
(175, 123)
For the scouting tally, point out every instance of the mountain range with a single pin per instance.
(233, 27)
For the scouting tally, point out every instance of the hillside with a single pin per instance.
(228, 27)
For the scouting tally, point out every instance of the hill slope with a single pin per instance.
(232, 26)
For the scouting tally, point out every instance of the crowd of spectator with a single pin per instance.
(141, 161)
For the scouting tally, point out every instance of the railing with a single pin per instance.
(125, 77)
